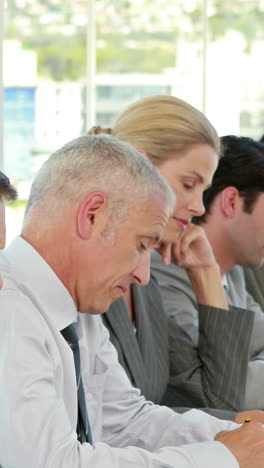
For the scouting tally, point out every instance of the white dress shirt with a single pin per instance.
(38, 398)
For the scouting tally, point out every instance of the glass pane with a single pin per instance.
(44, 75)
(235, 84)
(147, 47)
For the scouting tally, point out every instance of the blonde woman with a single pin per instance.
(184, 146)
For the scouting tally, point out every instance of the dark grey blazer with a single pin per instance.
(209, 347)
(144, 354)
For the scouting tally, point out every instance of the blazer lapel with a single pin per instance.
(141, 320)
(152, 338)
(120, 323)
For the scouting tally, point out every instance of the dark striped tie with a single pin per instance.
(83, 426)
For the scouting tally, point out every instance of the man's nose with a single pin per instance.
(141, 274)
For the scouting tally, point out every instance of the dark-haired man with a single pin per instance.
(255, 277)
(201, 354)
(7, 192)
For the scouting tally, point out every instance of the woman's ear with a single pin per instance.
(141, 150)
(91, 214)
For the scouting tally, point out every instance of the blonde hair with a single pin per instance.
(163, 126)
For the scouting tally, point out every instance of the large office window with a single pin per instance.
(44, 65)
(208, 52)
(146, 48)
(235, 84)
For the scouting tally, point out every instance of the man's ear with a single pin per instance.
(91, 214)
(230, 201)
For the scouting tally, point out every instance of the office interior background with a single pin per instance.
(69, 64)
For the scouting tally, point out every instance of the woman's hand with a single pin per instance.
(193, 252)
(191, 249)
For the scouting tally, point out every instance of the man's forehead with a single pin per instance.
(153, 219)
(158, 208)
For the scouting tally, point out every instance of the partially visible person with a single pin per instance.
(234, 224)
(255, 277)
(96, 209)
(184, 147)
(7, 192)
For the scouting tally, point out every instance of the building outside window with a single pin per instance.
(211, 58)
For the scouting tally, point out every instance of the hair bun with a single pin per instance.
(97, 129)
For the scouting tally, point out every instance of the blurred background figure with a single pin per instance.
(7, 192)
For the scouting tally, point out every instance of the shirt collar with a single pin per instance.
(224, 281)
(30, 269)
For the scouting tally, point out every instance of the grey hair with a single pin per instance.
(97, 162)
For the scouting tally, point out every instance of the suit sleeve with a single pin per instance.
(209, 347)
(217, 413)
(254, 397)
